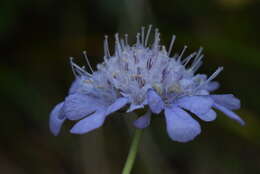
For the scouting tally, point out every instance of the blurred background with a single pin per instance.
(38, 37)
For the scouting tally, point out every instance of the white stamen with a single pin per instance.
(171, 44)
(117, 45)
(182, 52)
(88, 63)
(142, 35)
(138, 39)
(187, 59)
(126, 39)
(215, 74)
(156, 39)
(147, 35)
(196, 64)
(106, 48)
(77, 69)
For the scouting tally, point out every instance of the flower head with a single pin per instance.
(140, 75)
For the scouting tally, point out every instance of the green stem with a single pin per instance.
(133, 151)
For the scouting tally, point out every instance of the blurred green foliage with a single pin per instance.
(37, 37)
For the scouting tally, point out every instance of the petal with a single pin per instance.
(77, 106)
(229, 113)
(154, 101)
(143, 121)
(227, 100)
(181, 126)
(209, 116)
(212, 86)
(89, 123)
(78, 83)
(118, 104)
(135, 107)
(56, 119)
(198, 105)
(75, 85)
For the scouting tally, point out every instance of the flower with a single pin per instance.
(139, 76)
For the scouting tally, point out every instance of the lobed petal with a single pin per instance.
(212, 86)
(75, 85)
(56, 119)
(198, 105)
(154, 101)
(229, 113)
(180, 125)
(118, 104)
(143, 121)
(77, 106)
(209, 116)
(134, 107)
(90, 123)
(229, 101)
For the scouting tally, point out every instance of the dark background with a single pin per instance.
(36, 39)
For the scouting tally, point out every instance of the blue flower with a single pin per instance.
(140, 75)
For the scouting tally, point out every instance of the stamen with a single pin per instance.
(88, 63)
(117, 45)
(195, 65)
(197, 59)
(126, 40)
(214, 75)
(122, 43)
(182, 52)
(187, 59)
(77, 70)
(198, 55)
(106, 48)
(147, 35)
(164, 50)
(72, 67)
(138, 39)
(156, 39)
(142, 35)
(171, 44)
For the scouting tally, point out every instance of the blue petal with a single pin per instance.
(227, 100)
(198, 105)
(77, 84)
(77, 106)
(134, 107)
(89, 123)
(118, 104)
(56, 119)
(154, 101)
(229, 113)
(209, 116)
(74, 86)
(212, 86)
(143, 121)
(181, 126)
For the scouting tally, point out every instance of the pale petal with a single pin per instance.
(209, 116)
(212, 86)
(181, 126)
(77, 106)
(229, 113)
(135, 107)
(154, 101)
(118, 104)
(227, 100)
(198, 105)
(89, 123)
(143, 121)
(75, 85)
(56, 119)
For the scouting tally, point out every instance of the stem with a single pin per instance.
(132, 152)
